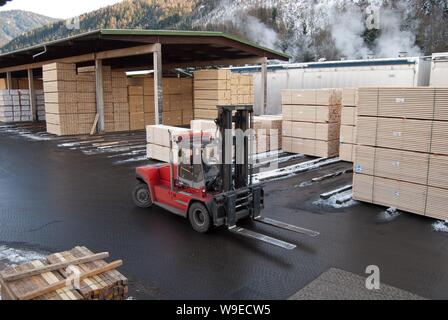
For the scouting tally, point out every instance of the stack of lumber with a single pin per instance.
(40, 105)
(211, 88)
(61, 99)
(241, 89)
(118, 105)
(208, 126)
(136, 110)
(401, 157)
(49, 279)
(86, 98)
(268, 133)
(15, 105)
(220, 87)
(311, 121)
(70, 99)
(177, 101)
(348, 124)
(158, 142)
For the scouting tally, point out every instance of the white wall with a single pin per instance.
(439, 70)
(409, 75)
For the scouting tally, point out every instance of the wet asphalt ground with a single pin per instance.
(54, 197)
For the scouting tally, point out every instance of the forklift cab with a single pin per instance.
(197, 165)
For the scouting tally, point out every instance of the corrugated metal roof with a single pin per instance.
(152, 33)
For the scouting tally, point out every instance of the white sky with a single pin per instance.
(63, 9)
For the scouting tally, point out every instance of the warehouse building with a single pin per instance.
(396, 72)
(85, 84)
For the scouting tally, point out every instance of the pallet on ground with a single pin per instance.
(50, 278)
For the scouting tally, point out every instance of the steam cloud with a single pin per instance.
(344, 20)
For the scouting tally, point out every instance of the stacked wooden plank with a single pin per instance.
(220, 87)
(268, 133)
(61, 99)
(118, 105)
(158, 142)
(177, 100)
(50, 279)
(348, 124)
(40, 105)
(311, 121)
(401, 156)
(86, 98)
(211, 88)
(136, 110)
(267, 130)
(241, 89)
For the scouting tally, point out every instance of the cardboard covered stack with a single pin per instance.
(348, 124)
(15, 105)
(158, 142)
(311, 121)
(401, 156)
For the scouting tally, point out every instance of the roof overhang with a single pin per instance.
(179, 49)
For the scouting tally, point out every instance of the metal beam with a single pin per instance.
(36, 65)
(32, 94)
(99, 93)
(264, 85)
(127, 52)
(223, 62)
(109, 54)
(158, 88)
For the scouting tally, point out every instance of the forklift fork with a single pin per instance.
(238, 181)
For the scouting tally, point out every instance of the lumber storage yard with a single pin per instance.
(358, 172)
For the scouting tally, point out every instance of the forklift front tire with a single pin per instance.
(142, 196)
(199, 218)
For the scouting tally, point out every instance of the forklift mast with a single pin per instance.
(243, 120)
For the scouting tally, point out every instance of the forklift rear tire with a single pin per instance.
(142, 196)
(199, 218)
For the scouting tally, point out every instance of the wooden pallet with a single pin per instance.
(47, 279)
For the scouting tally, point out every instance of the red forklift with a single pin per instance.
(212, 191)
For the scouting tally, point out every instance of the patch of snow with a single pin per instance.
(440, 226)
(35, 137)
(14, 257)
(388, 215)
(333, 201)
(304, 184)
(131, 160)
(293, 170)
(10, 257)
(132, 153)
